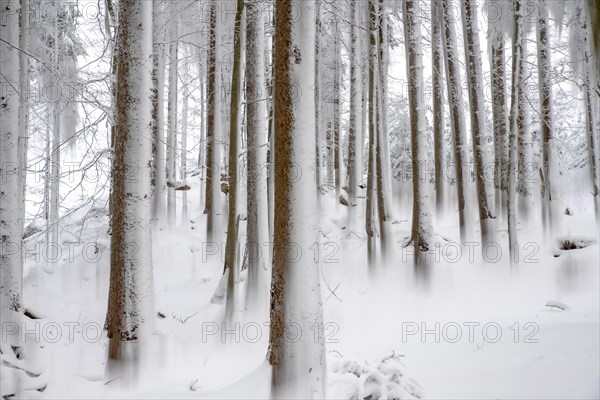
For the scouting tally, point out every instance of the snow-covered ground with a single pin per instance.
(472, 329)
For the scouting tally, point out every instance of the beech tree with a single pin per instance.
(298, 367)
(258, 230)
(478, 114)
(11, 220)
(130, 298)
(421, 214)
(456, 112)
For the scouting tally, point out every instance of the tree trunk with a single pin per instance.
(421, 230)
(371, 170)
(499, 118)
(438, 103)
(212, 158)
(11, 221)
(24, 83)
(158, 114)
(130, 300)
(257, 289)
(523, 139)
(183, 151)
(298, 365)
(172, 115)
(478, 115)
(514, 127)
(545, 88)
(456, 111)
(231, 243)
(355, 119)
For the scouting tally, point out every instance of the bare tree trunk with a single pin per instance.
(183, 151)
(371, 170)
(130, 300)
(421, 230)
(24, 81)
(11, 221)
(355, 120)
(231, 243)
(545, 88)
(257, 289)
(212, 160)
(524, 165)
(298, 366)
(514, 127)
(478, 115)
(499, 118)
(172, 115)
(158, 114)
(456, 111)
(438, 102)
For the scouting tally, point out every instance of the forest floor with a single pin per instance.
(472, 329)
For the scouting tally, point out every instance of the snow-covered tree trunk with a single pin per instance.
(454, 80)
(524, 137)
(591, 81)
(499, 117)
(336, 98)
(478, 115)
(421, 230)
(172, 113)
(438, 102)
(296, 305)
(183, 150)
(514, 127)
(372, 144)
(257, 289)
(545, 89)
(382, 158)
(355, 119)
(11, 222)
(231, 243)
(130, 299)
(24, 81)
(212, 155)
(158, 113)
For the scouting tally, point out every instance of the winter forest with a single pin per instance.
(372, 199)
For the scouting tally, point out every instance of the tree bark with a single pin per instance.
(438, 103)
(421, 230)
(298, 366)
(478, 115)
(456, 111)
(130, 300)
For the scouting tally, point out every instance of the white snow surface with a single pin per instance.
(511, 343)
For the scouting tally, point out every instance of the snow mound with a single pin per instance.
(382, 379)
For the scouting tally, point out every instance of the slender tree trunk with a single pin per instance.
(130, 300)
(172, 115)
(456, 111)
(55, 148)
(523, 139)
(514, 127)
(478, 115)
(158, 114)
(24, 79)
(590, 80)
(298, 366)
(183, 151)
(499, 118)
(371, 171)
(337, 148)
(545, 88)
(438, 102)
(421, 217)
(11, 221)
(355, 119)
(212, 160)
(382, 161)
(231, 243)
(257, 289)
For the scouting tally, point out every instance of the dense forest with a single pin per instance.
(375, 199)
